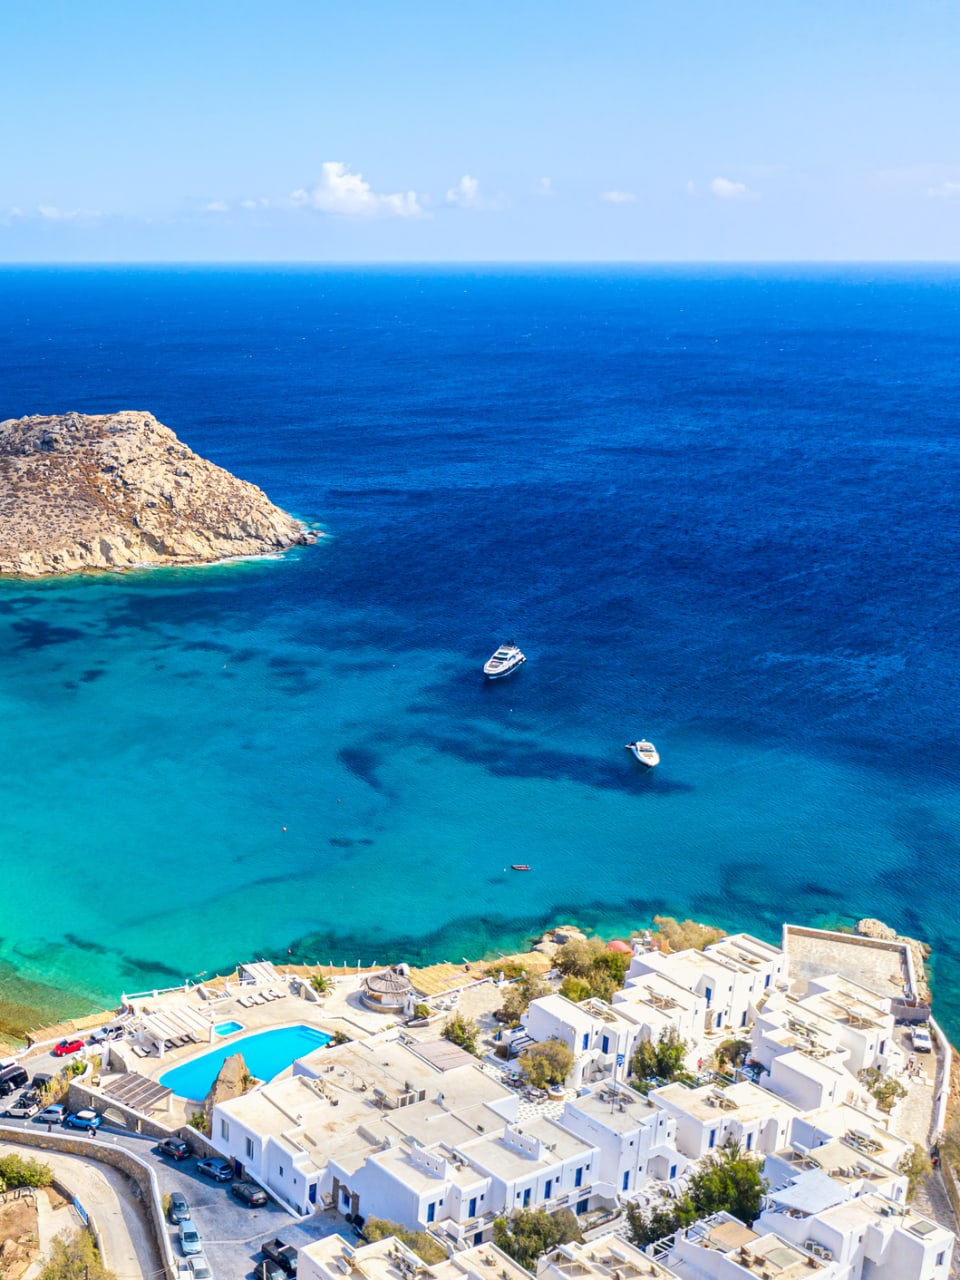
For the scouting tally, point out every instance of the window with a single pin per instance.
(431, 1212)
(940, 1259)
(547, 1189)
(713, 1139)
(709, 996)
(673, 1171)
(578, 1177)
(626, 1181)
(472, 1208)
(766, 981)
(478, 1238)
(224, 1129)
(743, 1020)
(248, 1148)
(280, 1171)
(582, 1206)
(586, 1042)
(526, 1198)
(749, 1141)
(719, 1019)
(605, 1046)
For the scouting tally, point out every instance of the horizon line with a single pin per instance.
(481, 262)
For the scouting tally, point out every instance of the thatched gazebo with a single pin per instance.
(388, 992)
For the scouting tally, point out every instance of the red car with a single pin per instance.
(67, 1046)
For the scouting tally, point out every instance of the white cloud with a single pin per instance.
(545, 186)
(618, 197)
(466, 193)
(254, 204)
(343, 192)
(724, 189)
(691, 187)
(216, 206)
(945, 191)
(50, 213)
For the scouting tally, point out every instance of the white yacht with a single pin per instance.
(502, 663)
(645, 752)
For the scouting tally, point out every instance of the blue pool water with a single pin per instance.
(266, 1054)
(228, 1028)
(716, 508)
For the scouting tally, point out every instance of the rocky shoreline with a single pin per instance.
(109, 492)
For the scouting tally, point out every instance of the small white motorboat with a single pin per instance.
(645, 752)
(503, 662)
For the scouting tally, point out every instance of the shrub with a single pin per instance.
(530, 1233)
(461, 1031)
(21, 1171)
(918, 1166)
(547, 1063)
(679, 935)
(75, 1257)
(518, 997)
(321, 983)
(422, 1244)
(199, 1122)
(662, 1062)
(729, 1181)
(421, 1010)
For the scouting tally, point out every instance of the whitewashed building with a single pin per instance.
(743, 1113)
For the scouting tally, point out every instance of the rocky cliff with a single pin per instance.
(120, 490)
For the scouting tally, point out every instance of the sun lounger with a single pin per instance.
(246, 1001)
(140, 1051)
(278, 995)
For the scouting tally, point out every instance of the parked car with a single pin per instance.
(920, 1039)
(41, 1081)
(178, 1208)
(218, 1170)
(175, 1148)
(67, 1046)
(85, 1119)
(54, 1114)
(284, 1255)
(199, 1267)
(267, 1270)
(249, 1195)
(190, 1237)
(12, 1079)
(26, 1105)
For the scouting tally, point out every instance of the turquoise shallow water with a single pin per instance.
(715, 509)
(265, 1055)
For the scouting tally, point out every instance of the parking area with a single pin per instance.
(230, 1232)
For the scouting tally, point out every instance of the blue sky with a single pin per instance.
(528, 130)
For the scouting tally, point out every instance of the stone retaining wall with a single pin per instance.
(139, 1173)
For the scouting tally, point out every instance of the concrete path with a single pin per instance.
(129, 1250)
(51, 1222)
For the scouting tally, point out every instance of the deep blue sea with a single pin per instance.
(716, 507)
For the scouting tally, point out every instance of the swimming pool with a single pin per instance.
(266, 1054)
(227, 1028)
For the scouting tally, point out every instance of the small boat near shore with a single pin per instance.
(503, 662)
(519, 866)
(645, 752)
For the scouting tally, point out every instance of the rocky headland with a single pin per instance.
(120, 491)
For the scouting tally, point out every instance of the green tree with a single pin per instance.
(661, 1063)
(659, 1221)
(917, 1165)
(321, 983)
(683, 935)
(884, 1089)
(75, 1257)
(421, 1010)
(461, 1031)
(421, 1242)
(547, 1063)
(577, 956)
(530, 1233)
(518, 997)
(730, 1180)
(575, 989)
